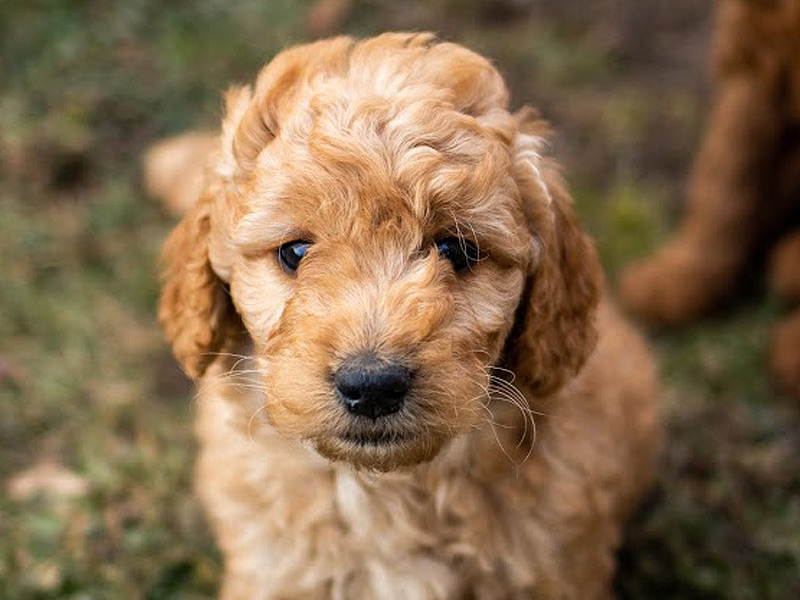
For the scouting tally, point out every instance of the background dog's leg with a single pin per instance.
(785, 354)
(785, 268)
(701, 266)
(785, 280)
(742, 194)
(174, 168)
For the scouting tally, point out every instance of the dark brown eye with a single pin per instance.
(291, 253)
(459, 251)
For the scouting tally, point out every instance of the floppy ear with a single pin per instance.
(195, 309)
(555, 329)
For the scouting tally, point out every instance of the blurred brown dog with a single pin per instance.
(393, 315)
(744, 198)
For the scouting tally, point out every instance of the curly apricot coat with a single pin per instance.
(529, 430)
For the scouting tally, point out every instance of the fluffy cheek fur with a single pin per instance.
(447, 329)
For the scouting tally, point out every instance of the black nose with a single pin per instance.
(371, 387)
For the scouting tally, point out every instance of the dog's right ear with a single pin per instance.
(195, 309)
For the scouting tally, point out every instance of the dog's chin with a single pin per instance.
(379, 452)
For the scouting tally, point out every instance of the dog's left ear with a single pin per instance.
(555, 329)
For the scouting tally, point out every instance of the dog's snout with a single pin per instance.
(370, 387)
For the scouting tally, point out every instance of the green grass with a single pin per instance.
(87, 382)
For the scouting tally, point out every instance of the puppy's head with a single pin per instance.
(384, 232)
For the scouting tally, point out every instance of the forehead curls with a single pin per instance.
(389, 65)
(420, 145)
(400, 115)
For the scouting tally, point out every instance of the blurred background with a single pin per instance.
(96, 444)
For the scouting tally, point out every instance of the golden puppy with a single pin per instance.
(392, 312)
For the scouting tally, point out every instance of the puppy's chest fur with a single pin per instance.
(471, 524)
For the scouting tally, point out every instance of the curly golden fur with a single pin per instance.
(745, 190)
(523, 441)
